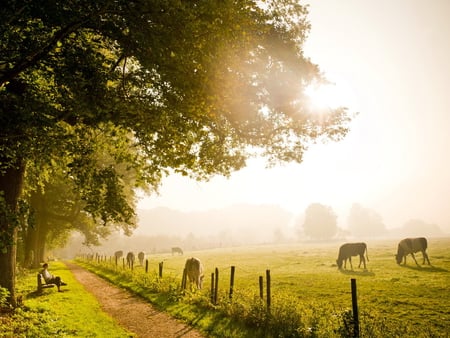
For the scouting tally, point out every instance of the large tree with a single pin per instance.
(199, 85)
(55, 204)
(320, 222)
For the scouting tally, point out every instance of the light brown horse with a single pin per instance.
(194, 271)
(141, 256)
(347, 250)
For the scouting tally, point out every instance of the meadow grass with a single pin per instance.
(310, 296)
(71, 313)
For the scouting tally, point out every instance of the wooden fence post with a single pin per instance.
(212, 287)
(355, 309)
(161, 269)
(216, 286)
(261, 287)
(146, 266)
(268, 289)
(232, 281)
(183, 280)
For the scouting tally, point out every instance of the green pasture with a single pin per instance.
(310, 296)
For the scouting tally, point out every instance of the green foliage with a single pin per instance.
(151, 70)
(4, 294)
(10, 218)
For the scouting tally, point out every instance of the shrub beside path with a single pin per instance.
(131, 312)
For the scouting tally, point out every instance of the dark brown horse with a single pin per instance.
(118, 255)
(177, 250)
(409, 246)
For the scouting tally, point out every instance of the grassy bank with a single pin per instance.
(71, 313)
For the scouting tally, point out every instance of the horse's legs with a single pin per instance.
(425, 257)
(412, 254)
(363, 260)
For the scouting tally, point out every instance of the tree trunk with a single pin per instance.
(11, 181)
(39, 206)
(40, 242)
(30, 246)
(28, 254)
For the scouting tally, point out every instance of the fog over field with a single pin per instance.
(242, 225)
(389, 62)
(253, 224)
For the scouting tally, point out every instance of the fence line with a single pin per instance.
(99, 259)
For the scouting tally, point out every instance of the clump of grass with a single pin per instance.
(4, 294)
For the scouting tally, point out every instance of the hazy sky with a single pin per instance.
(391, 62)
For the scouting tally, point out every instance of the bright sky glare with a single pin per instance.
(390, 62)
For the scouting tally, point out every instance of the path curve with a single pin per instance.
(130, 311)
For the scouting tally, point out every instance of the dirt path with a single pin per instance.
(130, 311)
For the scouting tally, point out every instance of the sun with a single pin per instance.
(333, 95)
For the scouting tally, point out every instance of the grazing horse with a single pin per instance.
(177, 250)
(347, 250)
(118, 255)
(141, 257)
(130, 259)
(194, 272)
(410, 246)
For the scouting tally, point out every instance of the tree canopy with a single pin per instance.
(195, 87)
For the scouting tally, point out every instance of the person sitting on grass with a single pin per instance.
(50, 278)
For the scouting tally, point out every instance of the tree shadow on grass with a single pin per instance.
(424, 268)
(37, 294)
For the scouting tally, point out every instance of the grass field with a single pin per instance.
(310, 296)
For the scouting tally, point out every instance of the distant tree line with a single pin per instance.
(319, 222)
